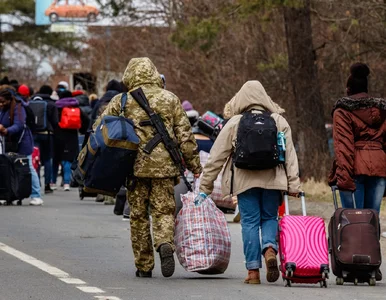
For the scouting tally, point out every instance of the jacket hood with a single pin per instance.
(43, 96)
(370, 110)
(83, 100)
(141, 71)
(251, 96)
(67, 102)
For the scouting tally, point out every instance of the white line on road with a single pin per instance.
(61, 275)
(72, 281)
(91, 289)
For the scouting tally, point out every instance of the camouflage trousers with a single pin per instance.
(156, 196)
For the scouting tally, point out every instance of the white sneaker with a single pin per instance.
(15, 202)
(66, 187)
(36, 202)
(53, 186)
(384, 234)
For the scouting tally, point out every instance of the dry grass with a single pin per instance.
(317, 191)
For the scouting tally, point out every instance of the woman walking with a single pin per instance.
(359, 133)
(258, 191)
(17, 135)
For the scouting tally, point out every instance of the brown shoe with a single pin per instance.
(271, 263)
(253, 277)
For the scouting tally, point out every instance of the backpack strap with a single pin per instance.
(123, 103)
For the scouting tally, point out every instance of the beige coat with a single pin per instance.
(252, 96)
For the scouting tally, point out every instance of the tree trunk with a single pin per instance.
(310, 132)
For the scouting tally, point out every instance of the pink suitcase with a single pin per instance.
(303, 248)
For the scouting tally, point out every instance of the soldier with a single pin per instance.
(155, 173)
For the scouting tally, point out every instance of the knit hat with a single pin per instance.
(23, 90)
(64, 84)
(187, 106)
(77, 93)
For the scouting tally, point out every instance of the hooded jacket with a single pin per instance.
(18, 132)
(141, 72)
(251, 97)
(359, 131)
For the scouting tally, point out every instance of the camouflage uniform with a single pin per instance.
(155, 173)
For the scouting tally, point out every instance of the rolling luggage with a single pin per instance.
(303, 248)
(354, 244)
(15, 176)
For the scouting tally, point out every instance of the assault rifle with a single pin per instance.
(162, 134)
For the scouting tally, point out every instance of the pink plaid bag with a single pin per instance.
(202, 237)
(216, 195)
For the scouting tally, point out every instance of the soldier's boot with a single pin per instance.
(167, 260)
(253, 277)
(143, 274)
(271, 264)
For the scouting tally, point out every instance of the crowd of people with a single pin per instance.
(359, 168)
(54, 121)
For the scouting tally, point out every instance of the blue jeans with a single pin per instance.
(368, 194)
(45, 144)
(35, 180)
(258, 209)
(66, 170)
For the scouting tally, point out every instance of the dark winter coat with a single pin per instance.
(102, 104)
(18, 132)
(84, 104)
(52, 111)
(359, 139)
(66, 140)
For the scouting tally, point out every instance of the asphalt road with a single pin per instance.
(71, 249)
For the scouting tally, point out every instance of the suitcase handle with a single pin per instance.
(2, 145)
(302, 196)
(334, 189)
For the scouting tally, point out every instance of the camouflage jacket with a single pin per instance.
(141, 72)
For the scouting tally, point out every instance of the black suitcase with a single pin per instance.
(354, 244)
(15, 177)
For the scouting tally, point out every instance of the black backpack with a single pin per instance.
(256, 146)
(30, 118)
(39, 107)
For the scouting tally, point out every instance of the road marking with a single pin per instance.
(72, 280)
(61, 275)
(33, 261)
(91, 289)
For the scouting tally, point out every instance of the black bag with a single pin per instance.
(15, 177)
(354, 244)
(30, 118)
(39, 108)
(256, 146)
(109, 156)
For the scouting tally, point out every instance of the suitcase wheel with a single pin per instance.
(287, 283)
(339, 281)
